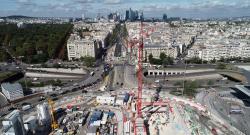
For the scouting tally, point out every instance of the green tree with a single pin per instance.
(213, 60)
(48, 38)
(177, 83)
(88, 61)
(56, 65)
(150, 57)
(170, 60)
(20, 51)
(190, 88)
(195, 60)
(221, 66)
(210, 82)
(163, 56)
(222, 59)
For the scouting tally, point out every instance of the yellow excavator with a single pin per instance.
(54, 124)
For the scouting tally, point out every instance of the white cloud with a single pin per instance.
(23, 1)
(112, 1)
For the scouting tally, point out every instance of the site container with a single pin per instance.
(26, 107)
(127, 127)
(111, 114)
(126, 98)
(104, 118)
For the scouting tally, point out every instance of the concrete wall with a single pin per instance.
(168, 72)
(61, 70)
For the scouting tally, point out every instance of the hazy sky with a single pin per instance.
(75, 8)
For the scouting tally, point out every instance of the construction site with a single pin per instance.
(140, 110)
(143, 110)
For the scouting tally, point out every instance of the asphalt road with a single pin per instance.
(130, 78)
(240, 121)
(118, 78)
(221, 108)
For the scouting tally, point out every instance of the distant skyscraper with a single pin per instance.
(13, 124)
(165, 17)
(127, 15)
(141, 17)
(83, 17)
(132, 15)
(114, 17)
(136, 17)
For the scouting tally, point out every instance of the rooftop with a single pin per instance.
(11, 115)
(11, 87)
(244, 89)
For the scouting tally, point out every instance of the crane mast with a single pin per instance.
(139, 74)
(139, 127)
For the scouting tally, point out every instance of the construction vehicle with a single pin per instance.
(54, 124)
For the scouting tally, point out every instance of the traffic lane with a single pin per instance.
(91, 80)
(130, 77)
(221, 109)
(118, 77)
(10, 67)
(36, 100)
(97, 75)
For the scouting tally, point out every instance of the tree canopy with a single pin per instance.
(88, 61)
(163, 60)
(36, 42)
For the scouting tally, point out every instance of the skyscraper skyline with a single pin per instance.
(75, 8)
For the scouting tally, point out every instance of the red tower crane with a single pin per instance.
(139, 74)
(140, 44)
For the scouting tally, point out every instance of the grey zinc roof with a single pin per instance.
(244, 89)
(11, 87)
(3, 100)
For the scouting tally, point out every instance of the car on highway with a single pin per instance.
(84, 91)
(26, 107)
(53, 95)
(74, 89)
(235, 109)
(25, 103)
(63, 92)
(12, 108)
(41, 98)
(92, 73)
(54, 99)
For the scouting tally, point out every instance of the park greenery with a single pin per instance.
(163, 60)
(210, 82)
(189, 88)
(3, 55)
(29, 83)
(88, 61)
(195, 60)
(34, 42)
(221, 66)
(5, 75)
